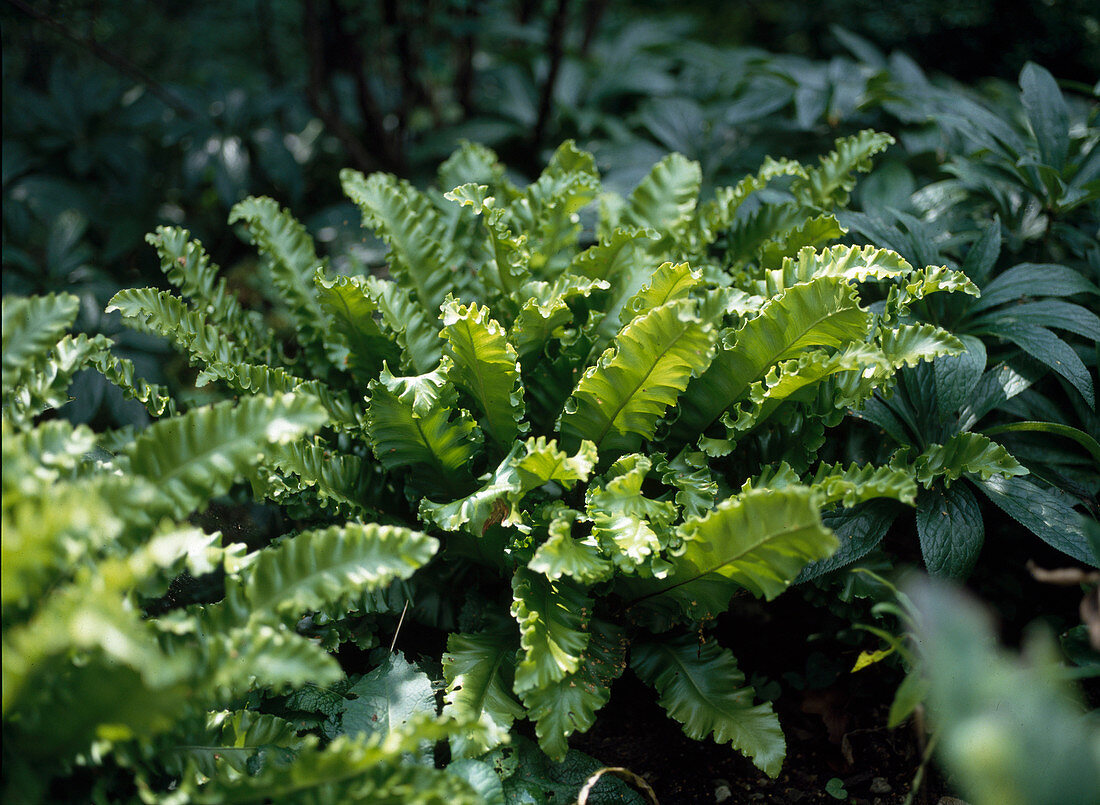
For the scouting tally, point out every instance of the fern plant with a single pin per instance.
(611, 422)
(95, 687)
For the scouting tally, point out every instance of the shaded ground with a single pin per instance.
(835, 723)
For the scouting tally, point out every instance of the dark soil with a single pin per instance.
(834, 721)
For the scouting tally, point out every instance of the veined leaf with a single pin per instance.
(958, 375)
(701, 687)
(758, 540)
(824, 312)
(851, 263)
(433, 442)
(415, 331)
(1044, 512)
(1042, 344)
(194, 457)
(668, 283)
(570, 704)
(1032, 279)
(325, 569)
(405, 218)
(963, 453)
(1046, 113)
(32, 326)
(387, 699)
(951, 531)
(351, 307)
(666, 197)
(635, 382)
(485, 365)
(164, 314)
(629, 526)
(479, 670)
(829, 184)
(291, 261)
(1051, 313)
(188, 267)
(544, 462)
(562, 555)
(551, 618)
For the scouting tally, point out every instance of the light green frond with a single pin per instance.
(630, 527)
(643, 374)
(32, 326)
(669, 282)
(120, 371)
(812, 233)
(479, 670)
(438, 443)
(716, 215)
(45, 384)
(751, 233)
(563, 555)
(551, 618)
(665, 199)
(234, 660)
(828, 185)
(352, 307)
(614, 254)
(963, 453)
(194, 457)
(851, 263)
(758, 540)
(546, 311)
(543, 462)
(51, 451)
(909, 344)
(415, 331)
(421, 393)
(848, 486)
(325, 569)
(494, 502)
(689, 473)
(547, 209)
(789, 378)
(335, 476)
(162, 313)
(472, 163)
(485, 366)
(821, 313)
(290, 258)
(701, 687)
(570, 705)
(406, 219)
(188, 267)
(929, 280)
(346, 770)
